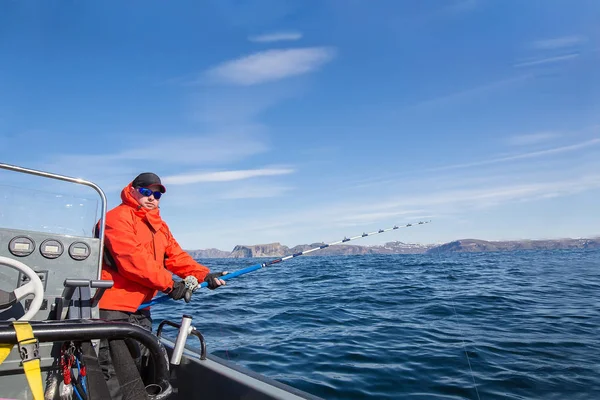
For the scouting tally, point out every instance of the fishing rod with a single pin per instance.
(194, 285)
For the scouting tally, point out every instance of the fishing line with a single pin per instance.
(464, 347)
(255, 267)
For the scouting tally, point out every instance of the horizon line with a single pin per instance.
(596, 237)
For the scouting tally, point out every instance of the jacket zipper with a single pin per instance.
(154, 246)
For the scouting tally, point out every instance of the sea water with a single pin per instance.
(518, 325)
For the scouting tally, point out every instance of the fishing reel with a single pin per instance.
(191, 284)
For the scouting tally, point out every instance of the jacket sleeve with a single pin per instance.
(133, 261)
(181, 263)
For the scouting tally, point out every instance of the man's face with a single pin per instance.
(148, 202)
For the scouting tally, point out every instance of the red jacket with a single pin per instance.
(141, 245)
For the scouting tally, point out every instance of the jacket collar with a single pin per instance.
(151, 216)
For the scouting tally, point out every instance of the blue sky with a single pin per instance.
(304, 121)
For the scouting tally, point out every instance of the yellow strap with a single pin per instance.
(5, 351)
(31, 367)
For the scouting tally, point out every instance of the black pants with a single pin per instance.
(138, 351)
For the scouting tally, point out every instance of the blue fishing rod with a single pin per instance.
(194, 285)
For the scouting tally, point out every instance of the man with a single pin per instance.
(139, 256)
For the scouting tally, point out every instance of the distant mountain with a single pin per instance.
(274, 250)
(475, 245)
(403, 248)
(259, 250)
(209, 253)
(279, 250)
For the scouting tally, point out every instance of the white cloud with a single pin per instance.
(547, 60)
(533, 154)
(271, 65)
(372, 217)
(405, 206)
(558, 43)
(471, 92)
(494, 196)
(225, 147)
(500, 162)
(276, 37)
(224, 176)
(477, 197)
(256, 192)
(533, 138)
(160, 154)
(192, 150)
(224, 106)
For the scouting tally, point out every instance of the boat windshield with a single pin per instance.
(27, 205)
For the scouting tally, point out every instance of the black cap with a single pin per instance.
(146, 179)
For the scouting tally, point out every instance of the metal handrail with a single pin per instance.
(85, 330)
(193, 331)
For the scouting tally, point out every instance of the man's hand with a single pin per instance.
(214, 281)
(180, 291)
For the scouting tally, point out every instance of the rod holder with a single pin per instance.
(185, 329)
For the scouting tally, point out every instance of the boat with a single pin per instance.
(50, 286)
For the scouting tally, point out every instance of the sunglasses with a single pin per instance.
(148, 193)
